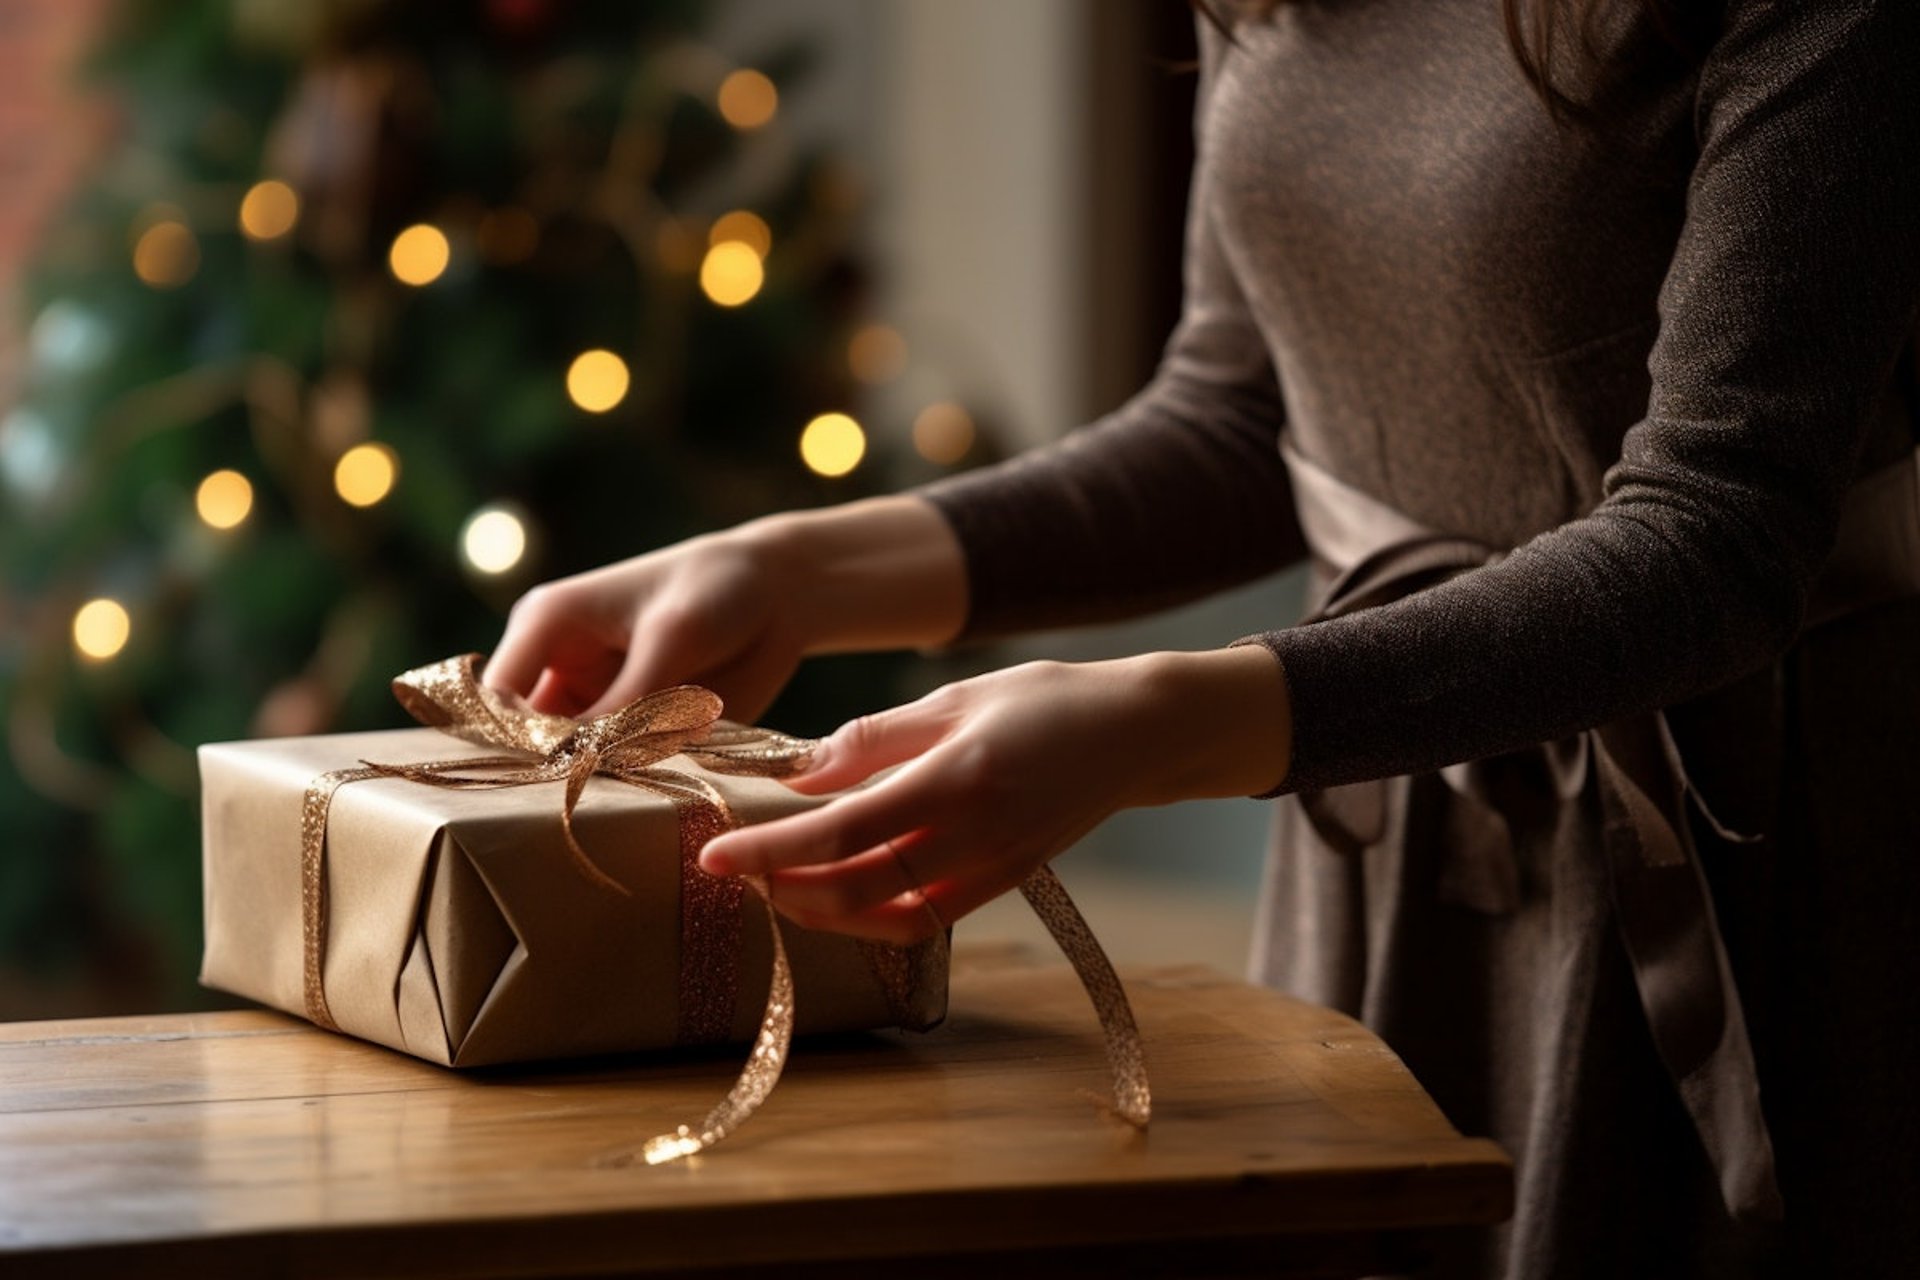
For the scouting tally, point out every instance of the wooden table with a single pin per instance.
(1286, 1140)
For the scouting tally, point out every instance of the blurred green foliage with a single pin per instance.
(593, 123)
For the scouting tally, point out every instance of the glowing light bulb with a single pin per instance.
(101, 628)
(943, 432)
(269, 210)
(877, 354)
(744, 226)
(365, 474)
(223, 499)
(597, 380)
(166, 255)
(419, 255)
(748, 99)
(494, 540)
(832, 444)
(731, 273)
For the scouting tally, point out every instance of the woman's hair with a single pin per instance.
(1537, 31)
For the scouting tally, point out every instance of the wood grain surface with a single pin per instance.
(253, 1143)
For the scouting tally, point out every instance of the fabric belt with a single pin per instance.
(1372, 554)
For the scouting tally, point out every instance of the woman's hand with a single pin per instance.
(1002, 772)
(736, 611)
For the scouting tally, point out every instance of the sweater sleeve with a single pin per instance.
(1791, 291)
(1178, 493)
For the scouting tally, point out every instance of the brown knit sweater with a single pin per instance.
(1644, 357)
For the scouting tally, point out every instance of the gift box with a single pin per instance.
(427, 892)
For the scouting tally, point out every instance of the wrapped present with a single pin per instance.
(421, 888)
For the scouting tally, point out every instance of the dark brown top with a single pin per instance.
(1647, 357)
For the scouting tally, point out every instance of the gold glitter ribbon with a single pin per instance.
(628, 744)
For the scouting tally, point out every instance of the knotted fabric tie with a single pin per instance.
(1662, 905)
(629, 745)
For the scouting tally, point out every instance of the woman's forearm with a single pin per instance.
(880, 573)
(1218, 723)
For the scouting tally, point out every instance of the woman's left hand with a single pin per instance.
(999, 774)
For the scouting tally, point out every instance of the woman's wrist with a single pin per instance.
(1217, 723)
(880, 573)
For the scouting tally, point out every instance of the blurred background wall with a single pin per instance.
(971, 221)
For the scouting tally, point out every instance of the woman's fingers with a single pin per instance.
(902, 922)
(889, 897)
(860, 748)
(749, 683)
(852, 824)
(822, 897)
(527, 646)
(558, 651)
(639, 674)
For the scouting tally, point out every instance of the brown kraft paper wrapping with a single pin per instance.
(460, 931)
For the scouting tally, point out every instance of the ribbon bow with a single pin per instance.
(625, 744)
(629, 745)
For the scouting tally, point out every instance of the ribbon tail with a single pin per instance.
(1664, 909)
(764, 1064)
(1350, 817)
(581, 862)
(1132, 1098)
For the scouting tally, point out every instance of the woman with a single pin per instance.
(1593, 422)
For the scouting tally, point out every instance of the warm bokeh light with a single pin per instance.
(597, 380)
(731, 273)
(507, 236)
(748, 99)
(832, 444)
(877, 354)
(493, 540)
(419, 255)
(166, 255)
(745, 226)
(943, 432)
(101, 628)
(365, 474)
(223, 499)
(269, 210)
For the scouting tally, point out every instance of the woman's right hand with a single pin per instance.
(736, 611)
(707, 611)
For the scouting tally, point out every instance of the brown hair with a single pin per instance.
(1537, 31)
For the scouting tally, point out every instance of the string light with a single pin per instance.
(748, 99)
(419, 254)
(877, 354)
(166, 255)
(832, 444)
(223, 499)
(365, 474)
(494, 540)
(101, 628)
(745, 227)
(943, 432)
(31, 456)
(597, 380)
(731, 274)
(269, 210)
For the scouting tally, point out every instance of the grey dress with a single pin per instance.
(1605, 799)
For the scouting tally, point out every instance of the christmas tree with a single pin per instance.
(377, 313)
